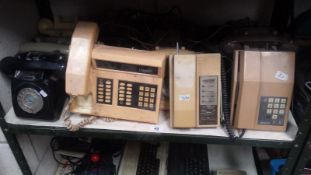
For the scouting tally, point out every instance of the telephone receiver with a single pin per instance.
(31, 61)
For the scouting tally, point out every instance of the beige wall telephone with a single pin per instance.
(112, 81)
(262, 89)
(195, 90)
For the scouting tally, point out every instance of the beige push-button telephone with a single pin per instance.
(112, 81)
(195, 90)
(262, 89)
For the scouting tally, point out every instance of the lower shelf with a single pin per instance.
(160, 131)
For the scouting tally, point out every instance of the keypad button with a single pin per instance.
(152, 89)
(107, 101)
(128, 103)
(141, 88)
(277, 100)
(270, 100)
(100, 93)
(121, 88)
(100, 89)
(283, 100)
(129, 85)
(146, 99)
(147, 88)
(274, 117)
(140, 98)
(121, 99)
(122, 84)
(121, 95)
(151, 100)
(276, 106)
(275, 111)
(108, 93)
(141, 93)
(108, 86)
(100, 100)
(270, 105)
(146, 105)
(140, 104)
(282, 112)
(128, 96)
(146, 94)
(108, 90)
(282, 106)
(269, 111)
(129, 89)
(121, 91)
(152, 95)
(108, 82)
(100, 96)
(129, 100)
(108, 97)
(129, 92)
(151, 106)
(100, 85)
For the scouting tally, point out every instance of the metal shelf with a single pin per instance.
(294, 138)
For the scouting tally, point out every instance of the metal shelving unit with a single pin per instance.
(295, 161)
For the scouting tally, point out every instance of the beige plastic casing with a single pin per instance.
(254, 76)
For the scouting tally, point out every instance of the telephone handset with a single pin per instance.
(79, 60)
(262, 89)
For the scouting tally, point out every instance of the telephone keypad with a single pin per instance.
(138, 95)
(208, 101)
(272, 110)
(104, 91)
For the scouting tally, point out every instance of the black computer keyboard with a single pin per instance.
(148, 164)
(188, 159)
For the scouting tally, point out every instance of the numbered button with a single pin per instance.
(146, 94)
(277, 100)
(146, 99)
(147, 89)
(269, 111)
(152, 95)
(146, 105)
(141, 93)
(122, 84)
(283, 100)
(129, 85)
(276, 106)
(270, 105)
(152, 89)
(140, 104)
(275, 111)
(151, 100)
(282, 112)
(140, 98)
(108, 82)
(141, 88)
(151, 106)
(270, 100)
(274, 117)
(282, 106)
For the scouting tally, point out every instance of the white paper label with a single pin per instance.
(281, 76)
(185, 97)
(43, 93)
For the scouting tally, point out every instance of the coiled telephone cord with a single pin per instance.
(87, 121)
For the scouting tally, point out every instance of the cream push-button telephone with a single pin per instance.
(262, 89)
(111, 81)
